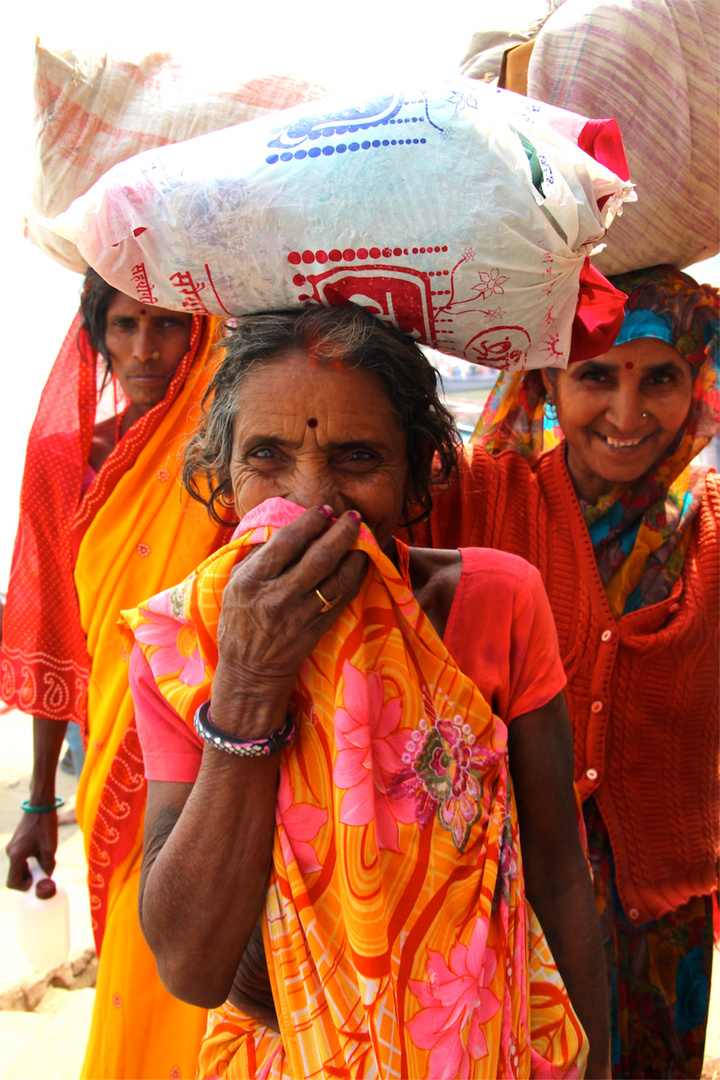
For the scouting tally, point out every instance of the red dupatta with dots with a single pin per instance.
(44, 664)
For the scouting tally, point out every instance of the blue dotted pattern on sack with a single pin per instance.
(351, 147)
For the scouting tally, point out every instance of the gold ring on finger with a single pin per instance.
(326, 604)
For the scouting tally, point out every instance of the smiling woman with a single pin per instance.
(620, 412)
(590, 473)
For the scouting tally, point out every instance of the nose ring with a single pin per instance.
(326, 604)
(643, 415)
(155, 355)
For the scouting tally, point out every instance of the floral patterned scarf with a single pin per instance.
(396, 929)
(640, 532)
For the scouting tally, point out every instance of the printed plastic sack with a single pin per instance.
(463, 215)
(653, 65)
(93, 111)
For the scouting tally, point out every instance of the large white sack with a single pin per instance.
(654, 65)
(463, 214)
(92, 111)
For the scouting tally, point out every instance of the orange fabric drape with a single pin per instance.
(396, 929)
(144, 532)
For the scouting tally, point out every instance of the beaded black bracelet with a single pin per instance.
(254, 748)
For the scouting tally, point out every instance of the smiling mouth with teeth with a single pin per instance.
(621, 444)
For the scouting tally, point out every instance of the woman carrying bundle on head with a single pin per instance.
(102, 521)
(591, 474)
(360, 797)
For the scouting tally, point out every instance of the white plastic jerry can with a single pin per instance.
(42, 920)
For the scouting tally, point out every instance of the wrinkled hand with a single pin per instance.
(37, 834)
(271, 618)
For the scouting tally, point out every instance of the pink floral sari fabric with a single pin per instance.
(397, 933)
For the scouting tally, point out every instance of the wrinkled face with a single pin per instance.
(145, 345)
(316, 434)
(620, 412)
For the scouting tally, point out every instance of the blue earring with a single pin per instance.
(550, 412)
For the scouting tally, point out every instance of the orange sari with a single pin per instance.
(145, 533)
(397, 934)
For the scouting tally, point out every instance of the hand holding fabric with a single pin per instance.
(272, 617)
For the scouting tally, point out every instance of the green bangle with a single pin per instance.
(41, 809)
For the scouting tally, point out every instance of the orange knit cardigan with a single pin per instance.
(642, 690)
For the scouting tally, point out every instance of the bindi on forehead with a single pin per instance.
(629, 364)
(312, 422)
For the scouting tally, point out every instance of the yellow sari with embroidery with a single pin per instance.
(397, 934)
(146, 534)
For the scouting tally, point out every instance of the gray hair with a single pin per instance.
(347, 335)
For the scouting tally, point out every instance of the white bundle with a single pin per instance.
(461, 214)
(92, 111)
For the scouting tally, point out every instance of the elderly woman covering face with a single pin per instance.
(333, 858)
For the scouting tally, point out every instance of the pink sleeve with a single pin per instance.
(171, 750)
(536, 670)
(501, 632)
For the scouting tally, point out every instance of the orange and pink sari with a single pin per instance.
(397, 933)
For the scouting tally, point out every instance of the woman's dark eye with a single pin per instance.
(662, 378)
(123, 324)
(595, 376)
(358, 457)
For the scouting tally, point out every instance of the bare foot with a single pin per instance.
(67, 817)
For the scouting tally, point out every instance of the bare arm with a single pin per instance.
(557, 880)
(37, 833)
(206, 863)
(208, 846)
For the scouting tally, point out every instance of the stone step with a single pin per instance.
(49, 1042)
(28, 995)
